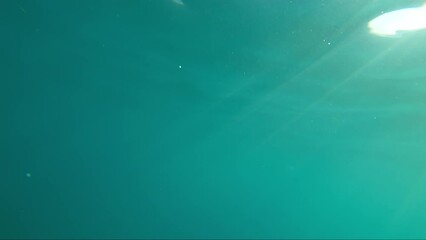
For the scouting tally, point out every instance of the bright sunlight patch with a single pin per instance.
(393, 23)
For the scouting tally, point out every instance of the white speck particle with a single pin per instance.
(180, 66)
(28, 175)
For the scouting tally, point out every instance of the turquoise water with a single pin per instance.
(210, 119)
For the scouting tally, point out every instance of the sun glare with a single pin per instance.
(393, 23)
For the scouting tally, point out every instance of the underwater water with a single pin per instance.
(210, 119)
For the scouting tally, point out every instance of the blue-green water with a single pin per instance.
(210, 119)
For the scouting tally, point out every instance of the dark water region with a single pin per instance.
(210, 119)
